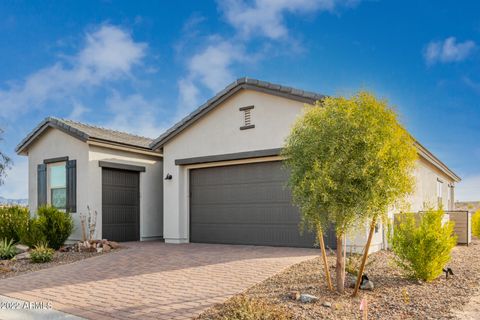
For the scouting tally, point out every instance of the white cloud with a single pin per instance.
(468, 189)
(266, 17)
(78, 111)
(16, 181)
(109, 53)
(133, 114)
(448, 50)
(209, 68)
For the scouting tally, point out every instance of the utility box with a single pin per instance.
(463, 225)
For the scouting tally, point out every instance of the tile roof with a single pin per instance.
(85, 132)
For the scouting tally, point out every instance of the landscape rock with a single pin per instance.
(21, 256)
(367, 285)
(308, 298)
(99, 250)
(294, 295)
(327, 304)
(106, 248)
(114, 245)
(21, 248)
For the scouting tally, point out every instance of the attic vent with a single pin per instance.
(247, 118)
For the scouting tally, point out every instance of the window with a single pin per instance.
(57, 185)
(439, 193)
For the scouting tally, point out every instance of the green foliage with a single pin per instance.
(244, 308)
(7, 249)
(349, 159)
(42, 253)
(32, 233)
(422, 244)
(56, 225)
(12, 220)
(476, 224)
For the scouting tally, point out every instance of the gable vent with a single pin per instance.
(247, 117)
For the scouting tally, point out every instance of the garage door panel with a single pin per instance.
(263, 191)
(240, 213)
(245, 204)
(254, 234)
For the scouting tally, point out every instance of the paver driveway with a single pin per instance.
(152, 279)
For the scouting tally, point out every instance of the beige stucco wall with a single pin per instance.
(218, 133)
(54, 143)
(151, 187)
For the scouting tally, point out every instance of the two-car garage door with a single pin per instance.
(245, 204)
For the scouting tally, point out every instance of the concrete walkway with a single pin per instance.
(152, 280)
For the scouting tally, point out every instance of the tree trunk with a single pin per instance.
(340, 267)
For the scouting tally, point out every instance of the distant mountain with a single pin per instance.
(10, 202)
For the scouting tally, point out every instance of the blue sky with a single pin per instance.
(139, 66)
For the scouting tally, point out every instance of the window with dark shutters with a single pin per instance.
(41, 184)
(71, 167)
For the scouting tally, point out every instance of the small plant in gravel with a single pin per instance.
(7, 249)
(245, 308)
(42, 253)
(422, 243)
(476, 224)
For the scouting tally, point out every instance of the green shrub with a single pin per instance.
(12, 220)
(7, 249)
(32, 233)
(422, 244)
(42, 253)
(57, 225)
(476, 224)
(244, 308)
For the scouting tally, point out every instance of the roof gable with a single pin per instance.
(231, 89)
(84, 132)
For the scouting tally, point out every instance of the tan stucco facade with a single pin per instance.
(54, 143)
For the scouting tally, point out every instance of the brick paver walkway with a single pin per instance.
(152, 280)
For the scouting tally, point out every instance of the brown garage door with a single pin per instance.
(120, 205)
(245, 204)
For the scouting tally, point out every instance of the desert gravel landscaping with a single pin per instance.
(394, 296)
(12, 268)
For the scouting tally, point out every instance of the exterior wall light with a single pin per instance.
(168, 176)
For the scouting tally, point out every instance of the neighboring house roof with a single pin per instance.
(85, 132)
(231, 89)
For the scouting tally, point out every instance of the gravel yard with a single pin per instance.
(12, 268)
(394, 296)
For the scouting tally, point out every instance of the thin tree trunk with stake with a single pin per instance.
(324, 256)
(340, 267)
(365, 256)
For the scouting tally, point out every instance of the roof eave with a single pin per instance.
(44, 125)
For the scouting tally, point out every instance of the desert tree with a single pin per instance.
(5, 162)
(350, 160)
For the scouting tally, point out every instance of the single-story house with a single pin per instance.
(215, 177)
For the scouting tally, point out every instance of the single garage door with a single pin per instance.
(120, 205)
(245, 204)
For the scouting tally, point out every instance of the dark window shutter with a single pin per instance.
(71, 185)
(42, 184)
